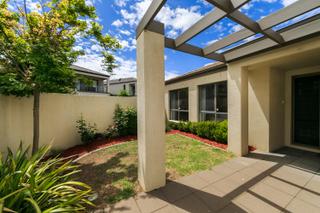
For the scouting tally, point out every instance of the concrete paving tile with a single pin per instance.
(191, 204)
(239, 178)
(314, 184)
(193, 181)
(167, 209)
(149, 202)
(263, 166)
(233, 208)
(299, 206)
(223, 170)
(254, 204)
(174, 191)
(293, 175)
(271, 194)
(281, 185)
(310, 165)
(210, 176)
(227, 186)
(124, 206)
(212, 197)
(307, 196)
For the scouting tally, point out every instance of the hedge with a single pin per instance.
(217, 131)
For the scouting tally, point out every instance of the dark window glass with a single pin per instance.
(213, 102)
(179, 104)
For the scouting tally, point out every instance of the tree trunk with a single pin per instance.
(36, 112)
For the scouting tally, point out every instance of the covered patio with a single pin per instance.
(259, 92)
(285, 181)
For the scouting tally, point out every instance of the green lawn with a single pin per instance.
(112, 172)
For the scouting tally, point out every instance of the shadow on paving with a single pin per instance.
(176, 195)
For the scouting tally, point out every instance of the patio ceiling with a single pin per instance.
(230, 9)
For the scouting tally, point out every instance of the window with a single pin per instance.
(213, 102)
(179, 105)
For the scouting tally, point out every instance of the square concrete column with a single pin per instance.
(237, 110)
(151, 110)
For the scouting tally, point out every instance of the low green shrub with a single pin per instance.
(212, 130)
(125, 122)
(35, 184)
(123, 93)
(87, 131)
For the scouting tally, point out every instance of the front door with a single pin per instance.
(306, 110)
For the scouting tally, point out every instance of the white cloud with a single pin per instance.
(121, 3)
(125, 32)
(176, 19)
(170, 74)
(287, 2)
(117, 23)
(210, 42)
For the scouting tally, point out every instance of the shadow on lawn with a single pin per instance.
(111, 179)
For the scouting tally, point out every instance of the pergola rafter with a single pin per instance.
(229, 9)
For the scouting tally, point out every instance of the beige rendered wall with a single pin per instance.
(58, 115)
(193, 84)
(266, 108)
(268, 95)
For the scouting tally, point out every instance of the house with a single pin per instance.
(266, 82)
(99, 80)
(127, 84)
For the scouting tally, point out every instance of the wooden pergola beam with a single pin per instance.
(208, 20)
(285, 14)
(193, 50)
(149, 16)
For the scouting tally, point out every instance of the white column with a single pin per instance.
(151, 110)
(238, 110)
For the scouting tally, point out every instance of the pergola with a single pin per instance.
(150, 62)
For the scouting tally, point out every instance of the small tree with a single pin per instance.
(37, 48)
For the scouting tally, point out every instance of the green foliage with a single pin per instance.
(87, 131)
(125, 121)
(33, 184)
(37, 46)
(126, 189)
(212, 130)
(123, 93)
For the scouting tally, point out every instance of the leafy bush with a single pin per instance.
(33, 184)
(125, 121)
(123, 93)
(212, 130)
(87, 131)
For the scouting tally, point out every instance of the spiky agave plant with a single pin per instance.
(35, 184)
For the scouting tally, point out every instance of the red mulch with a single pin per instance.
(80, 150)
(207, 141)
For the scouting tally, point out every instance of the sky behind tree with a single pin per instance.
(120, 18)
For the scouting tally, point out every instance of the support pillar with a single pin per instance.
(238, 110)
(151, 109)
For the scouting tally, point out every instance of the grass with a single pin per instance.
(112, 172)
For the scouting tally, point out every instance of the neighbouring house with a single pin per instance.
(99, 80)
(127, 84)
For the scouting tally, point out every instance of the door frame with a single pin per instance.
(288, 110)
(317, 73)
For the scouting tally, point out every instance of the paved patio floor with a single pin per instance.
(286, 181)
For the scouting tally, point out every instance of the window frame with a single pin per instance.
(178, 100)
(214, 112)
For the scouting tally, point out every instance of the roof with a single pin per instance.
(122, 80)
(205, 70)
(89, 72)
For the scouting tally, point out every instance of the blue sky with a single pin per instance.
(120, 18)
